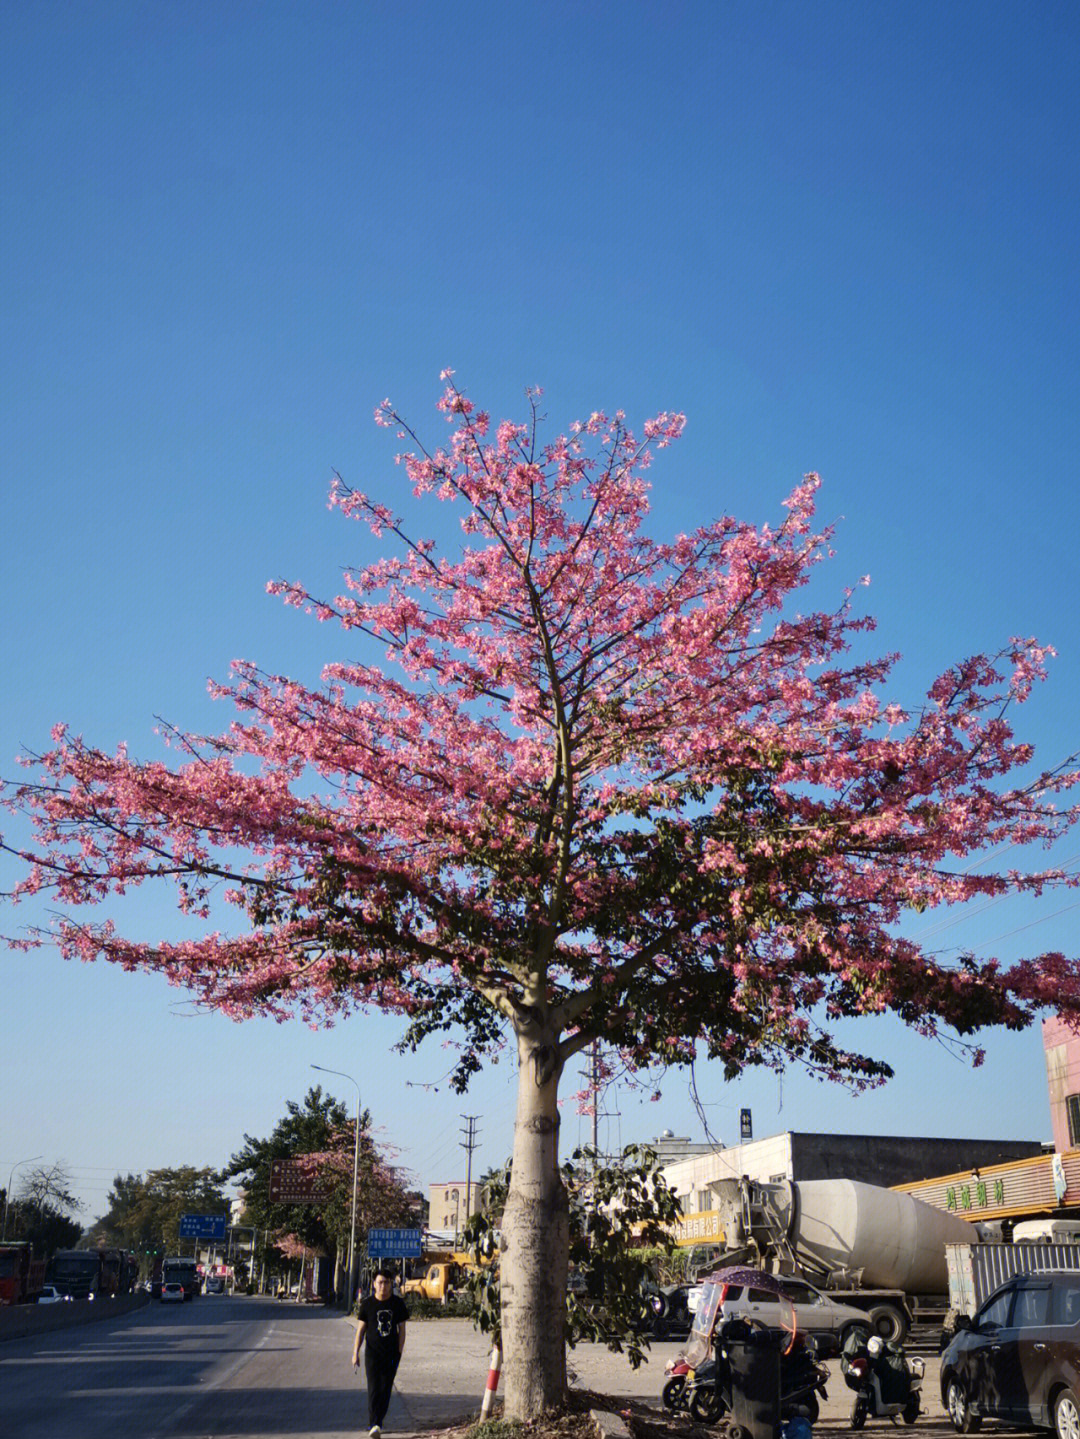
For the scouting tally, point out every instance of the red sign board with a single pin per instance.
(292, 1182)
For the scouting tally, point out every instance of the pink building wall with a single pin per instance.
(1062, 1047)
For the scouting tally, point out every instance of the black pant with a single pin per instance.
(381, 1369)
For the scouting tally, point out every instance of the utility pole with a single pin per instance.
(593, 1080)
(594, 1084)
(353, 1256)
(469, 1143)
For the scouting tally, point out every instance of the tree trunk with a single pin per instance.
(535, 1243)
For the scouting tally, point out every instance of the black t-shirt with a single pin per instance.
(383, 1317)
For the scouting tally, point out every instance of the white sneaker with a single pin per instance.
(375, 1432)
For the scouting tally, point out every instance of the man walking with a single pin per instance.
(382, 1324)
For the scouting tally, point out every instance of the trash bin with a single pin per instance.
(755, 1383)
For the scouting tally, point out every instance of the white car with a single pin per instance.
(49, 1294)
(172, 1294)
(815, 1312)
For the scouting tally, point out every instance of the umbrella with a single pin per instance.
(742, 1274)
(755, 1279)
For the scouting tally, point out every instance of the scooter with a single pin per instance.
(886, 1382)
(802, 1380)
(673, 1394)
(707, 1394)
(707, 1391)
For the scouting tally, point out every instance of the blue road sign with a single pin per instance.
(202, 1226)
(394, 1244)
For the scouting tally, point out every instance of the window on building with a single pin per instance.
(1072, 1114)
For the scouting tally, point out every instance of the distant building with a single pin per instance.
(885, 1160)
(669, 1148)
(451, 1204)
(1062, 1047)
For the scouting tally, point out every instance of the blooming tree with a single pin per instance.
(319, 1139)
(599, 787)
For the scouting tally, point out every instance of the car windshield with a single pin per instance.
(995, 1312)
(72, 1266)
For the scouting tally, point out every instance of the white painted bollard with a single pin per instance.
(492, 1382)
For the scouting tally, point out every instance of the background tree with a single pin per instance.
(43, 1211)
(596, 787)
(144, 1210)
(49, 1184)
(43, 1226)
(321, 1133)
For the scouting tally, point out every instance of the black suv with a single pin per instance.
(1019, 1359)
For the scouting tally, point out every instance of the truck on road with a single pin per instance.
(21, 1275)
(976, 1270)
(92, 1273)
(875, 1249)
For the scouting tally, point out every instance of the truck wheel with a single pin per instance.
(886, 1320)
(956, 1402)
(858, 1413)
(849, 1330)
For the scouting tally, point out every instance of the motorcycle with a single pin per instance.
(673, 1394)
(886, 1382)
(708, 1390)
(707, 1394)
(802, 1381)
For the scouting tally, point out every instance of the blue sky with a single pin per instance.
(839, 237)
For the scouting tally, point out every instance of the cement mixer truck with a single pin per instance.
(876, 1249)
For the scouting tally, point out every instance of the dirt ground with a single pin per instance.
(646, 1419)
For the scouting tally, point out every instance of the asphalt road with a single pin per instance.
(222, 1366)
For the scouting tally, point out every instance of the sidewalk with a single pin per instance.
(445, 1367)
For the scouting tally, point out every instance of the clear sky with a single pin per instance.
(840, 237)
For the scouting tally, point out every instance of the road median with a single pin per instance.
(20, 1321)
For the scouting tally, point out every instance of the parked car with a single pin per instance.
(816, 1313)
(666, 1311)
(49, 1294)
(1018, 1359)
(172, 1293)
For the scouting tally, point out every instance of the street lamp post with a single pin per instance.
(355, 1175)
(7, 1192)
